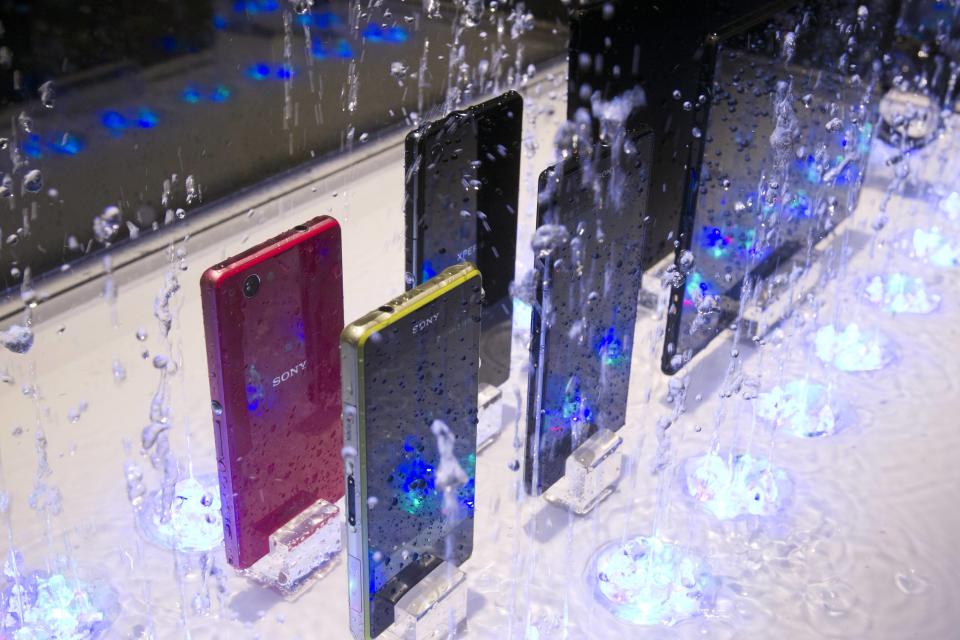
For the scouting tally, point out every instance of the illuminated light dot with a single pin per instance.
(69, 144)
(326, 20)
(344, 50)
(114, 121)
(220, 94)
(31, 146)
(259, 71)
(190, 95)
(219, 22)
(269, 5)
(285, 72)
(147, 119)
(396, 34)
(373, 33)
(319, 51)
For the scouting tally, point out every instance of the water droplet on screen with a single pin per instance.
(48, 94)
(33, 181)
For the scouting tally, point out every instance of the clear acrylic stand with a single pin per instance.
(432, 608)
(490, 415)
(301, 552)
(592, 471)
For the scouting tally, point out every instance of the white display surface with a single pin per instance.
(866, 546)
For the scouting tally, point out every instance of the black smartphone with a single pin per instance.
(590, 219)
(462, 188)
(410, 363)
(783, 145)
(617, 46)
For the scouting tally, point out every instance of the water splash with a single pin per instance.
(53, 606)
(900, 293)
(852, 349)
(646, 581)
(194, 522)
(804, 409)
(744, 485)
(17, 338)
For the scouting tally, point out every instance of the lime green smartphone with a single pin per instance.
(410, 377)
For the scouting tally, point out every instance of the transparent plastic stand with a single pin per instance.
(432, 608)
(301, 552)
(490, 415)
(592, 472)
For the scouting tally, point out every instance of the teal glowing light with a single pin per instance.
(852, 349)
(899, 293)
(646, 581)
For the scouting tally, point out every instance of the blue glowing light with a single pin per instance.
(326, 20)
(428, 271)
(32, 147)
(114, 121)
(610, 349)
(318, 50)
(146, 118)
(343, 50)
(414, 482)
(375, 33)
(646, 581)
(737, 486)
(219, 22)
(69, 144)
(285, 72)
(220, 93)
(852, 349)
(190, 95)
(259, 71)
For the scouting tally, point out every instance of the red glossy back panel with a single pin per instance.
(275, 370)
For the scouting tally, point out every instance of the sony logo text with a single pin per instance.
(290, 373)
(420, 326)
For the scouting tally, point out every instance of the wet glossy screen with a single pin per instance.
(784, 148)
(463, 181)
(421, 368)
(582, 332)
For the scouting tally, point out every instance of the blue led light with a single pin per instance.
(114, 121)
(344, 50)
(190, 95)
(259, 71)
(146, 118)
(326, 20)
(220, 93)
(219, 22)
(610, 349)
(373, 33)
(285, 72)
(69, 144)
(428, 271)
(31, 147)
(319, 51)
(396, 34)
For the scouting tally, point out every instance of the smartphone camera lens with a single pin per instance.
(251, 285)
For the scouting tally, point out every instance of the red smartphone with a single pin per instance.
(273, 316)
